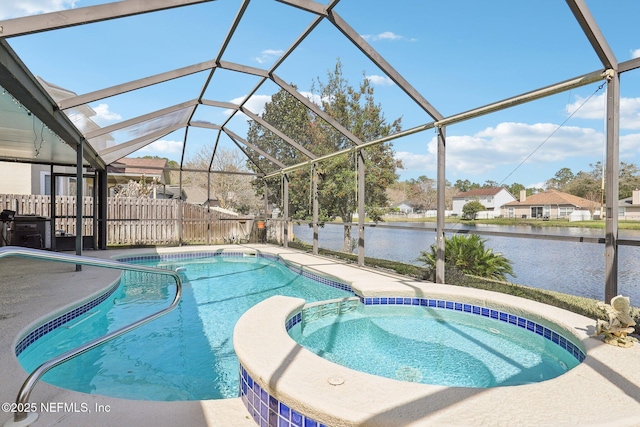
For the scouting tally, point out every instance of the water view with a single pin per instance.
(569, 267)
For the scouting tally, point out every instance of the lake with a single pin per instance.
(570, 267)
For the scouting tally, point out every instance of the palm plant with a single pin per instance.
(468, 254)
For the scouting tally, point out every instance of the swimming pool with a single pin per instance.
(433, 345)
(284, 382)
(186, 354)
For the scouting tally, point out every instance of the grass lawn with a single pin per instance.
(622, 225)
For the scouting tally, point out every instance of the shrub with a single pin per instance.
(467, 254)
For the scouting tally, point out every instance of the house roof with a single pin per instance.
(147, 166)
(192, 194)
(477, 192)
(553, 197)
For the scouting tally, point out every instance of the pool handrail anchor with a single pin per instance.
(23, 418)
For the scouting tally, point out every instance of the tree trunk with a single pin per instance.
(347, 239)
(347, 219)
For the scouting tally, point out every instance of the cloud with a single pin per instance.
(314, 98)
(387, 35)
(594, 109)
(413, 161)
(15, 9)
(629, 145)
(380, 80)
(104, 115)
(255, 104)
(163, 146)
(635, 53)
(507, 145)
(268, 55)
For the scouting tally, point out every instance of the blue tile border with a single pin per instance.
(501, 316)
(206, 254)
(60, 320)
(266, 410)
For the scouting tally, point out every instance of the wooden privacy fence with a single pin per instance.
(141, 221)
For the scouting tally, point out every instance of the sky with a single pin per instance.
(459, 55)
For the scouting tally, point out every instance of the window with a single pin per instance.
(45, 184)
(565, 211)
(536, 211)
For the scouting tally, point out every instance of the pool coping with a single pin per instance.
(604, 390)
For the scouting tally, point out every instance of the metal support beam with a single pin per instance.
(361, 211)
(79, 201)
(314, 108)
(102, 195)
(23, 86)
(277, 132)
(611, 187)
(266, 155)
(467, 115)
(378, 60)
(208, 206)
(440, 209)
(285, 209)
(266, 200)
(592, 31)
(314, 199)
(134, 85)
(52, 211)
(144, 118)
(86, 15)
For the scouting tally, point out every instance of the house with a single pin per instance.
(35, 178)
(491, 198)
(404, 207)
(25, 178)
(133, 169)
(190, 194)
(629, 208)
(548, 204)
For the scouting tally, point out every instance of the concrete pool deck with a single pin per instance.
(604, 390)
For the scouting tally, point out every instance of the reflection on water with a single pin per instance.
(569, 267)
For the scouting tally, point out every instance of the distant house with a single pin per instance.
(133, 169)
(190, 194)
(405, 207)
(491, 198)
(629, 208)
(548, 204)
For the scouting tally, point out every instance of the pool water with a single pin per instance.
(435, 346)
(184, 355)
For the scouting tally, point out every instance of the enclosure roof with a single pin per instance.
(188, 94)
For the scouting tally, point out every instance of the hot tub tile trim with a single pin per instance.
(501, 316)
(265, 409)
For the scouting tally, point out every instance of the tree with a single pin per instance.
(490, 184)
(422, 192)
(560, 180)
(466, 185)
(142, 189)
(468, 254)
(515, 189)
(356, 110)
(629, 179)
(470, 209)
(232, 190)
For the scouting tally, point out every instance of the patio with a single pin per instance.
(604, 390)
